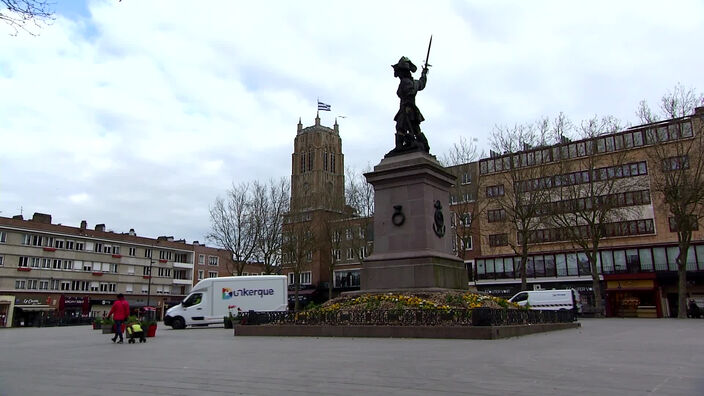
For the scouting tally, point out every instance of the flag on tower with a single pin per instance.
(323, 106)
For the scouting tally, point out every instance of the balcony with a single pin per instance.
(183, 281)
(183, 265)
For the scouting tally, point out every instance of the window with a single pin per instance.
(98, 247)
(496, 215)
(34, 262)
(128, 288)
(348, 233)
(362, 252)
(54, 284)
(336, 254)
(495, 191)
(148, 253)
(107, 249)
(498, 240)
(347, 278)
(79, 246)
(212, 274)
(201, 274)
(166, 254)
(3, 237)
(687, 222)
(305, 278)
(309, 256)
(2, 261)
(350, 253)
(43, 285)
(213, 260)
(467, 243)
(23, 262)
(466, 178)
(675, 163)
(20, 284)
(115, 249)
(132, 251)
(69, 245)
(67, 265)
(164, 272)
(181, 257)
(59, 244)
(146, 271)
(201, 259)
(66, 285)
(46, 263)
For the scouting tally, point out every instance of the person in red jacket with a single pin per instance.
(120, 311)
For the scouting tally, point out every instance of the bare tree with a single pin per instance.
(464, 207)
(333, 231)
(234, 226)
(26, 14)
(270, 204)
(520, 155)
(360, 195)
(591, 194)
(299, 241)
(678, 179)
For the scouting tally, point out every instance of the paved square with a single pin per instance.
(604, 357)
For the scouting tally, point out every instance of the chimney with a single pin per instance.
(132, 232)
(41, 218)
(18, 217)
(84, 224)
(165, 238)
(195, 243)
(100, 227)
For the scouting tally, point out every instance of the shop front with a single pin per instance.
(6, 309)
(31, 310)
(633, 295)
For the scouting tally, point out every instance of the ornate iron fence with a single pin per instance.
(410, 317)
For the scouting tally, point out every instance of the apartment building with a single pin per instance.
(52, 269)
(636, 261)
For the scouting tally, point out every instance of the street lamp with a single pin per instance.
(149, 289)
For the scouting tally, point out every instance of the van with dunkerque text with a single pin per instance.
(212, 299)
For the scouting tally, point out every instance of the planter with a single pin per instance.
(97, 326)
(228, 323)
(151, 331)
(107, 328)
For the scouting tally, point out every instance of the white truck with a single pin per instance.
(214, 298)
(551, 300)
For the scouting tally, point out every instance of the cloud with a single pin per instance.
(138, 114)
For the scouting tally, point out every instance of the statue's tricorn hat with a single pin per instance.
(405, 64)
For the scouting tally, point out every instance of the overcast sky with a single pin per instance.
(138, 114)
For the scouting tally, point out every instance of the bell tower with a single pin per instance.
(318, 169)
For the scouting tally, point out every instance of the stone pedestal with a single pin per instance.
(412, 233)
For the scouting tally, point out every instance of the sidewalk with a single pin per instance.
(604, 357)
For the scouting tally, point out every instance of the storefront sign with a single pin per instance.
(30, 300)
(72, 301)
(645, 284)
(101, 302)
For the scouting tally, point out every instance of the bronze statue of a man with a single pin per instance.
(408, 118)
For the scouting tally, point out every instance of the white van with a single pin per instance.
(214, 298)
(550, 300)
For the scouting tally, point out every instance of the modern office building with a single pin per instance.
(636, 261)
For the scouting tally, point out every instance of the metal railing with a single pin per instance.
(410, 317)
